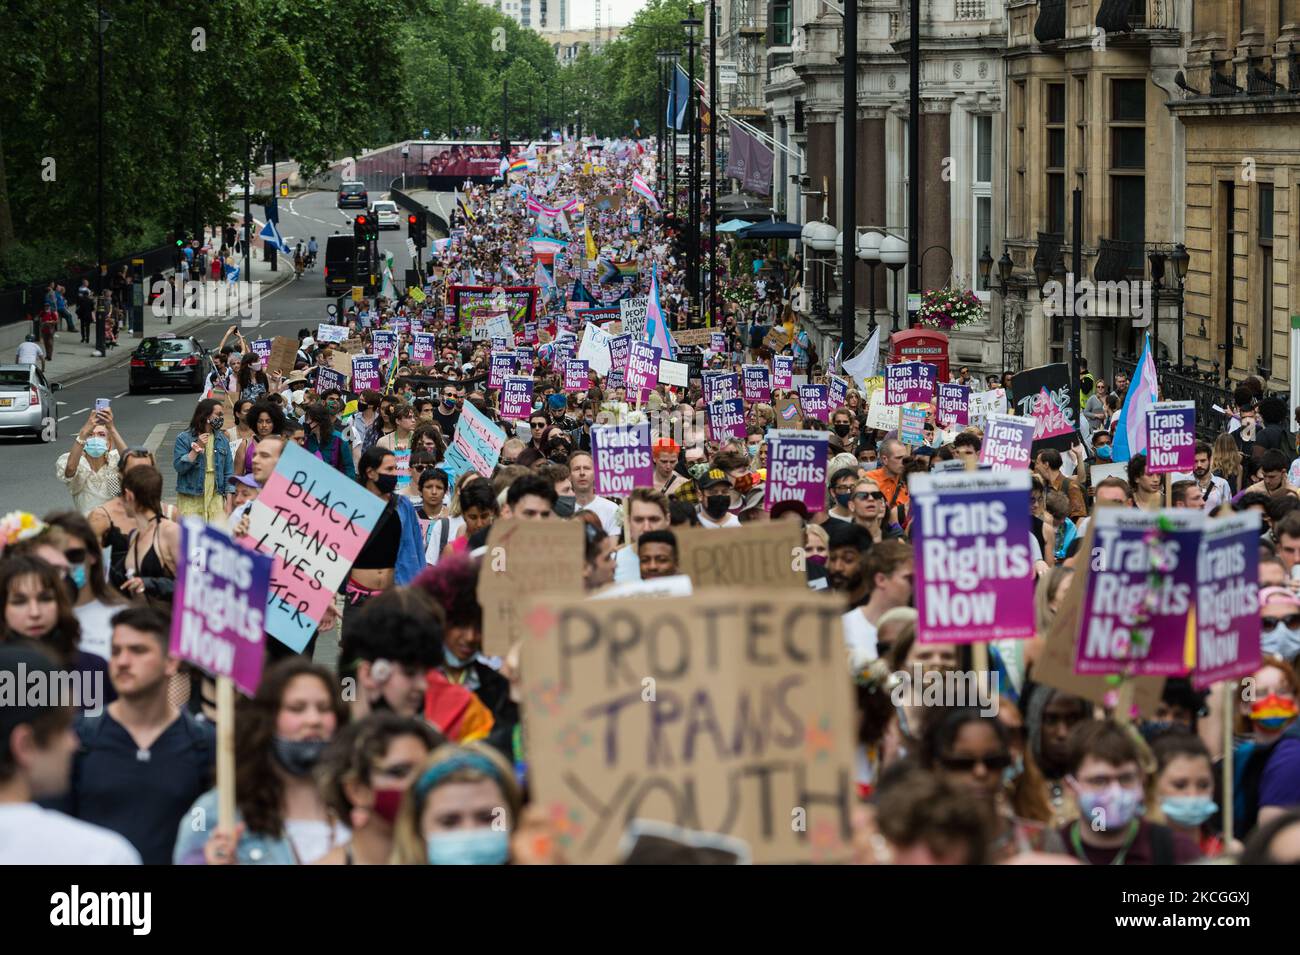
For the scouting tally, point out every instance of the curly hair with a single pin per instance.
(355, 750)
(452, 583)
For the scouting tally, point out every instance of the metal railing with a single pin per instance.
(1188, 384)
(1117, 260)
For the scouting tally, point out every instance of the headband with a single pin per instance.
(466, 760)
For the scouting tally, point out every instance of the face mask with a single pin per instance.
(451, 660)
(1014, 771)
(565, 505)
(537, 403)
(96, 447)
(1188, 810)
(716, 506)
(1111, 809)
(559, 455)
(1104, 452)
(1281, 642)
(1150, 729)
(217, 423)
(297, 757)
(818, 559)
(386, 483)
(387, 803)
(843, 430)
(1273, 712)
(449, 402)
(77, 574)
(469, 847)
(843, 499)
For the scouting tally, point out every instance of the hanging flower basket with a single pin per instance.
(947, 308)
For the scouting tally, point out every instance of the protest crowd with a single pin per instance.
(606, 587)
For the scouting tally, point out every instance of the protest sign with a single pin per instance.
(519, 303)
(796, 468)
(642, 371)
(954, 405)
(788, 413)
(516, 397)
(502, 343)
(632, 315)
(341, 361)
(720, 386)
(500, 365)
(282, 357)
(718, 669)
(475, 446)
(690, 336)
(765, 555)
(717, 342)
(523, 361)
(313, 521)
(530, 332)
(328, 378)
(815, 401)
(525, 558)
(383, 343)
(726, 419)
(881, 415)
(219, 607)
(674, 373)
(577, 375)
(1227, 600)
(756, 382)
(621, 457)
(262, 349)
(839, 391)
(1007, 442)
(910, 381)
(911, 428)
(325, 332)
(1171, 437)
(1127, 621)
(783, 372)
(422, 348)
(974, 567)
(1043, 394)
(620, 346)
(366, 374)
(985, 403)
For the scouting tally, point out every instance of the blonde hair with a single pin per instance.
(1225, 458)
(1048, 584)
(819, 532)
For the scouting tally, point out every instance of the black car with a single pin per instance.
(354, 194)
(164, 362)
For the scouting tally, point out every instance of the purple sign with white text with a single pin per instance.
(910, 381)
(577, 375)
(757, 382)
(621, 456)
(815, 402)
(783, 372)
(365, 373)
(1007, 442)
(642, 371)
(726, 419)
(1171, 437)
(516, 397)
(384, 343)
(717, 342)
(422, 345)
(500, 365)
(839, 391)
(721, 386)
(620, 347)
(954, 405)
(1227, 601)
(796, 468)
(523, 361)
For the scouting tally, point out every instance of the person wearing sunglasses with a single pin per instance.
(95, 601)
(867, 506)
(1279, 623)
(973, 753)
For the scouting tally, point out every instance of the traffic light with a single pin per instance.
(417, 228)
(360, 231)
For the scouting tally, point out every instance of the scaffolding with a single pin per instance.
(743, 40)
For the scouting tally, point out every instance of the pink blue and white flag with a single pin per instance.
(656, 325)
(1143, 392)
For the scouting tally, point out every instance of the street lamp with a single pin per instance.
(692, 118)
(1157, 260)
(819, 235)
(869, 252)
(894, 253)
(1005, 267)
(101, 28)
(1181, 261)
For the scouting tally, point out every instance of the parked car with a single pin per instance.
(27, 402)
(168, 362)
(353, 194)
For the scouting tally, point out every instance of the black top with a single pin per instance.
(380, 549)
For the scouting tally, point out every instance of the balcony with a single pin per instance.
(972, 10)
(1051, 21)
(1117, 260)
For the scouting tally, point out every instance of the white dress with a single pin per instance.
(91, 489)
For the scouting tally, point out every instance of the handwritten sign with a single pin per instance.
(796, 468)
(594, 348)
(525, 558)
(476, 444)
(632, 315)
(881, 415)
(325, 332)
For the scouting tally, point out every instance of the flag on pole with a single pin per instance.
(834, 367)
(1143, 392)
(656, 325)
(678, 98)
(271, 235)
(642, 189)
(863, 365)
(542, 279)
(592, 253)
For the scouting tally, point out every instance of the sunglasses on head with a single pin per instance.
(1269, 624)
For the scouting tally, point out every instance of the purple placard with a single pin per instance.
(621, 456)
(717, 342)
(642, 371)
(910, 381)
(756, 381)
(500, 365)
(954, 405)
(1227, 600)
(384, 343)
(620, 346)
(726, 419)
(1120, 599)
(783, 372)
(565, 348)
(219, 608)
(530, 332)
(327, 378)
(721, 386)
(516, 397)
(365, 373)
(796, 468)
(974, 566)
(523, 360)
(262, 348)
(577, 374)
(422, 345)
(1007, 442)
(1171, 437)
(839, 391)
(815, 402)
(501, 343)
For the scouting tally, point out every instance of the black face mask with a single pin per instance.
(843, 430)
(386, 483)
(716, 505)
(297, 757)
(565, 505)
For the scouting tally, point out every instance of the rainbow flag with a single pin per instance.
(518, 165)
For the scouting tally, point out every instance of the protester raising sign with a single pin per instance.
(262, 349)
(796, 468)
(219, 608)
(642, 371)
(756, 381)
(1043, 394)
(725, 711)
(783, 372)
(621, 456)
(1227, 601)
(974, 567)
(632, 315)
(911, 428)
(325, 332)
(365, 374)
(1138, 607)
(500, 366)
(328, 378)
(954, 405)
(839, 391)
(882, 416)
(1007, 443)
(910, 381)
(577, 375)
(720, 386)
(620, 347)
(476, 444)
(516, 397)
(313, 521)
(594, 348)
(815, 402)
(422, 348)
(726, 419)
(1171, 437)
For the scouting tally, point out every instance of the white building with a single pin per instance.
(534, 14)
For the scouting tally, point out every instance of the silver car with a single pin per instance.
(27, 404)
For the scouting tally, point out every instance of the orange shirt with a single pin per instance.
(887, 482)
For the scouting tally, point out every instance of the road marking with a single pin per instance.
(80, 410)
(65, 417)
(122, 395)
(155, 437)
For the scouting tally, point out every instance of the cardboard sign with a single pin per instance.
(692, 336)
(953, 406)
(730, 708)
(720, 386)
(577, 375)
(674, 373)
(910, 381)
(1044, 394)
(882, 416)
(632, 315)
(1227, 600)
(423, 345)
(516, 397)
(911, 428)
(796, 468)
(283, 356)
(764, 555)
(815, 402)
(313, 521)
(642, 371)
(1007, 443)
(1117, 628)
(525, 558)
(621, 457)
(366, 374)
(788, 414)
(726, 419)
(325, 332)
(783, 372)
(974, 565)
(1171, 437)
(219, 607)
(756, 382)
(475, 446)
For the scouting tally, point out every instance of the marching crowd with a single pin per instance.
(426, 760)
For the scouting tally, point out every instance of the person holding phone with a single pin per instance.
(203, 463)
(90, 468)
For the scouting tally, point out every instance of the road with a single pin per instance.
(28, 478)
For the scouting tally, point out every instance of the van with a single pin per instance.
(339, 253)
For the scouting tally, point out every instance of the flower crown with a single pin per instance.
(19, 526)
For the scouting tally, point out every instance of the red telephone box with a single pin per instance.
(920, 344)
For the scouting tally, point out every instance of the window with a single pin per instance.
(1266, 274)
(781, 23)
(1018, 158)
(1055, 157)
(1128, 167)
(982, 194)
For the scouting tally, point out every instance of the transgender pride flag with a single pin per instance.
(1143, 391)
(656, 326)
(642, 189)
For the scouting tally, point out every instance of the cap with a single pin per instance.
(245, 479)
(712, 479)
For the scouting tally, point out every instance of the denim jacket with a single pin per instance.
(254, 848)
(189, 474)
(410, 552)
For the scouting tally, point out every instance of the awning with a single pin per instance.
(773, 230)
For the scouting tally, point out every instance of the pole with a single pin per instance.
(1076, 334)
(693, 139)
(449, 92)
(1229, 696)
(849, 194)
(99, 195)
(659, 140)
(672, 133)
(713, 161)
(914, 154)
(505, 116)
(247, 272)
(275, 201)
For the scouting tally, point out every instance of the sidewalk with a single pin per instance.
(74, 361)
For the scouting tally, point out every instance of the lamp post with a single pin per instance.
(101, 26)
(819, 236)
(449, 92)
(693, 134)
(895, 253)
(1181, 260)
(1005, 266)
(869, 252)
(713, 161)
(849, 164)
(914, 149)
(1156, 259)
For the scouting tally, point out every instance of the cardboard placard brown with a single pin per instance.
(789, 407)
(762, 555)
(693, 336)
(283, 352)
(728, 712)
(525, 558)
(341, 362)
(776, 339)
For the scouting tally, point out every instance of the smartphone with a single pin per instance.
(102, 404)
